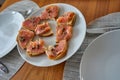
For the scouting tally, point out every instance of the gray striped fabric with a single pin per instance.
(13, 61)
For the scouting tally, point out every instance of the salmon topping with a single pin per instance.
(24, 37)
(50, 12)
(42, 29)
(31, 23)
(66, 18)
(64, 32)
(36, 47)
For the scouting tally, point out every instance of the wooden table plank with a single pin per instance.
(29, 72)
(91, 9)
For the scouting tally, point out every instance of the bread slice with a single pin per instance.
(43, 29)
(31, 23)
(47, 34)
(50, 12)
(24, 37)
(63, 32)
(67, 18)
(35, 48)
(58, 51)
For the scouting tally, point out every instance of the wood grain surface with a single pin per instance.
(91, 10)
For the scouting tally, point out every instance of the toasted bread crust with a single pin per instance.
(47, 34)
(33, 54)
(72, 21)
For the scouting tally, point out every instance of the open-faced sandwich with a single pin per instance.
(67, 18)
(24, 37)
(63, 32)
(43, 29)
(51, 12)
(35, 48)
(58, 51)
(31, 23)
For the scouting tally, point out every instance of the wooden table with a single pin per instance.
(91, 9)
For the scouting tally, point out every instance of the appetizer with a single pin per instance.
(35, 48)
(31, 23)
(67, 18)
(43, 29)
(51, 12)
(58, 51)
(63, 32)
(24, 37)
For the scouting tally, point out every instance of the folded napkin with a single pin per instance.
(13, 60)
(110, 20)
(72, 66)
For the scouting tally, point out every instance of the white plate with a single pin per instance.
(10, 23)
(79, 31)
(101, 59)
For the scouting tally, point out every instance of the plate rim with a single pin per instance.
(64, 58)
(100, 36)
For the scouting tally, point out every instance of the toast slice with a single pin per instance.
(24, 37)
(63, 32)
(67, 18)
(43, 30)
(51, 12)
(58, 51)
(35, 48)
(31, 23)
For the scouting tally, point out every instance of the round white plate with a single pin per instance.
(101, 59)
(79, 31)
(10, 23)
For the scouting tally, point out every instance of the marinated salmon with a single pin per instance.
(24, 37)
(51, 12)
(31, 23)
(43, 29)
(58, 51)
(35, 48)
(67, 18)
(63, 32)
